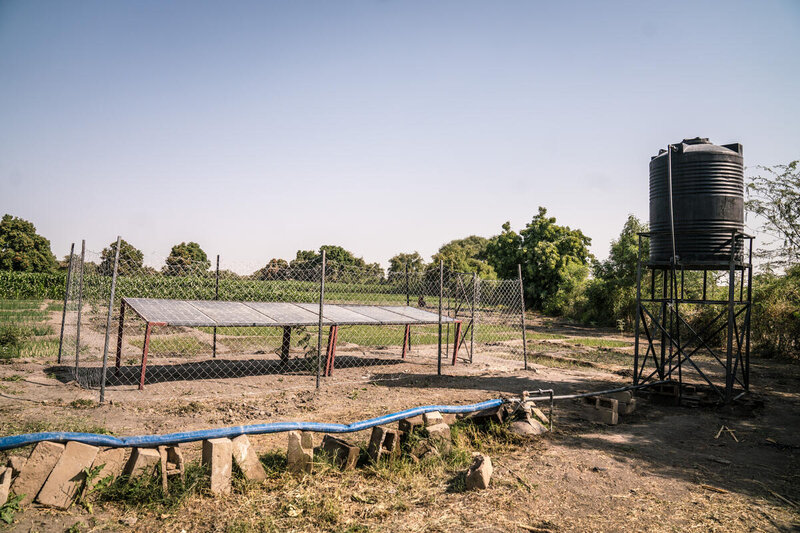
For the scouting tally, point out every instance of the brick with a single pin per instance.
(621, 397)
(423, 449)
(480, 472)
(603, 410)
(343, 454)
(218, 456)
(247, 460)
(5, 483)
(383, 443)
(142, 462)
(408, 426)
(113, 461)
(449, 418)
(300, 452)
(171, 460)
(67, 476)
(40, 463)
(487, 416)
(433, 418)
(538, 413)
(16, 463)
(627, 408)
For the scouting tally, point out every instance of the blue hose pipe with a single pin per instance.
(151, 441)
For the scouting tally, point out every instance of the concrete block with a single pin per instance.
(5, 484)
(344, 454)
(16, 463)
(300, 452)
(218, 456)
(142, 462)
(67, 476)
(433, 418)
(480, 472)
(409, 425)
(621, 397)
(449, 418)
(423, 449)
(247, 460)
(487, 416)
(539, 414)
(383, 443)
(439, 436)
(627, 408)
(113, 461)
(40, 463)
(171, 460)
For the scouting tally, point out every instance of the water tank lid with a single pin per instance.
(700, 144)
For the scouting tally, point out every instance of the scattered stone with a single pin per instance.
(383, 443)
(527, 428)
(41, 461)
(5, 484)
(247, 459)
(129, 521)
(433, 418)
(300, 454)
(539, 414)
(171, 460)
(67, 476)
(480, 471)
(218, 457)
(343, 454)
(142, 462)
(113, 461)
(16, 463)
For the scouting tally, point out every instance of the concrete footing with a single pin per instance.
(218, 458)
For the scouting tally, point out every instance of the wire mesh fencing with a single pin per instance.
(198, 328)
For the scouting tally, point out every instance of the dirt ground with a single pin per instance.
(661, 469)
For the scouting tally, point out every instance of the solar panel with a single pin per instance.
(232, 313)
(215, 313)
(172, 312)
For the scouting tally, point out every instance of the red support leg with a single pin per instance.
(145, 348)
(119, 333)
(328, 353)
(405, 339)
(333, 348)
(456, 343)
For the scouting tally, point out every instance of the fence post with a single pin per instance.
(522, 315)
(408, 296)
(108, 322)
(441, 289)
(66, 299)
(80, 306)
(472, 316)
(216, 297)
(321, 304)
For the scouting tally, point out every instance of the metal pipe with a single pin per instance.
(108, 323)
(216, 297)
(731, 319)
(522, 315)
(441, 291)
(66, 300)
(596, 393)
(636, 318)
(80, 308)
(321, 304)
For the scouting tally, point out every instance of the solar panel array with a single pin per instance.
(209, 313)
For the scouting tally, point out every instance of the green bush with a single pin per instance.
(776, 314)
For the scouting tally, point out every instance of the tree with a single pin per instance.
(465, 255)
(186, 258)
(130, 259)
(275, 269)
(611, 295)
(554, 260)
(401, 261)
(339, 261)
(22, 249)
(775, 197)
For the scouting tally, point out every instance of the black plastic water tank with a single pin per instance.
(708, 202)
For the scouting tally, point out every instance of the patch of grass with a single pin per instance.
(82, 403)
(54, 306)
(67, 424)
(146, 492)
(15, 305)
(40, 348)
(544, 336)
(13, 377)
(597, 342)
(174, 345)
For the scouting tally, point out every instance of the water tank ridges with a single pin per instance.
(708, 202)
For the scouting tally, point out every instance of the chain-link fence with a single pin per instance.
(203, 328)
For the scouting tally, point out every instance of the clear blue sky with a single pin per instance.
(260, 128)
